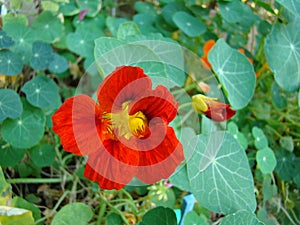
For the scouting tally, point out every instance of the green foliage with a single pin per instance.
(78, 213)
(51, 50)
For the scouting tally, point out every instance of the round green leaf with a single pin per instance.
(23, 37)
(287, 143)
(82, 42)
(59, 64)
(240, 137)
(10, 63)
(114, 219)
(266, 160)
(286, 165)
(10, 156)
(5, 40)
(235, 73)
(47, 27)
(282, 49)
(42, 55)
(25, 131)
(41, 91)
(260, 141)
(220, 175)
(160, 215)
(269, 188)
(43, 155)
(127, 29)
(10, 104)
(190, 25)
(74, 213)
(241, 217)
(145, 8)
(170, 9)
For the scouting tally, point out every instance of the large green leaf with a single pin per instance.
(10, 104)
(25, 131)
(292, 5)
(219, 173)
(5, 40)
(189, 24)
(235, 73)
(282, 49)
(10, 63)
(47, 27)
(42, 55)
(74, 213)
(41, 91)
(159, 215)
(241, 217)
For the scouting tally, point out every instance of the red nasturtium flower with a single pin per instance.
(213, 109)
(126, 135)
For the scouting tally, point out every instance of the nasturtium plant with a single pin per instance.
(149, 112)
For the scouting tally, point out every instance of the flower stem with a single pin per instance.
(37, 180)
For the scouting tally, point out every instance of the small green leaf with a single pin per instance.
(266, 160)
(160, 215)
(10, 156)
(41, 91)
(47, 27)
(283, 54)
(43, 155)
(10, 104)
(287, 143)
(241, 217)
(10, 63)
(50, 6)
(42, 55)
(220, 165)
(235, 73)
(5, 40)
(286, 165)
(240, 137)
(10, 215)
(74, 213)
(260, 140)
(145, 8)
(127, 29)
(269, 189)
(190, 25)
(59, 64)
(170, 9)
(25, 131)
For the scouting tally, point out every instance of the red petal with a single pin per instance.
(105, 167)
(157, 103)
(164, 159)
(220, 112)
(123, 84)
(77, 124)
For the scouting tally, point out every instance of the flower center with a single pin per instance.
(126, 125)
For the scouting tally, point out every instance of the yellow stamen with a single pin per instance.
(126, 125)
(200, 102)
